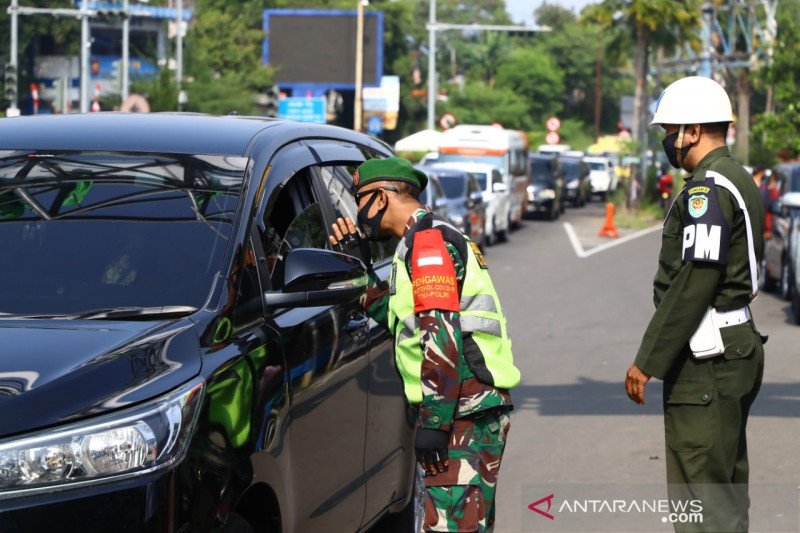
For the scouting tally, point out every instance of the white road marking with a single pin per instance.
(578, 247)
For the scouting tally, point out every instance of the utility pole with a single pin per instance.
(432, 65)
(358, 111)
(85, 48)
(179, 49)
(434, 26)
(125, 48)
(13, 62)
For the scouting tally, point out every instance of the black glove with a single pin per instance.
(351, 242)
(431, 449)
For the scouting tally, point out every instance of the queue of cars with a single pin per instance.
(779, 266)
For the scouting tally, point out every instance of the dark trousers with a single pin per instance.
(706, 406)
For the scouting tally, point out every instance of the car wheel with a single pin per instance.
(411, 518)
(765, 281)
(784, 288)
(795, 300)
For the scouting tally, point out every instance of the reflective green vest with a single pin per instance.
(487, 348)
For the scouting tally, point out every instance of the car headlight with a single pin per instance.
(547, 194)
(573, 184)
(531, 189)
(127, 443)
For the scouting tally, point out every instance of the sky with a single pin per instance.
(522, 10)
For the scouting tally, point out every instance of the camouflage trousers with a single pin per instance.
(462, 498)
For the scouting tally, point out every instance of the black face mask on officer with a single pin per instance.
(371, 226)
(676, 154)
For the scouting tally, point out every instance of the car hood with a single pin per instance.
(53, 371)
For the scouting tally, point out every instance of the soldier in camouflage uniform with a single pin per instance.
(451, 345)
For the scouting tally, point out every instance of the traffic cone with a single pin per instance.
(609, 229)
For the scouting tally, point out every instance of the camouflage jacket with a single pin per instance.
(450, 389)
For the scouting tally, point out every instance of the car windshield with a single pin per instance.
(453, 186)
(596, 165)
(572, 170)
(100, 230)
(481, 177)
(542, 170)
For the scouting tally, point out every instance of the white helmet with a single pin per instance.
(693, 100)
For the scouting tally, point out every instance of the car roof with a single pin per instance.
(187, 133)
(443, 171)
(470, 166)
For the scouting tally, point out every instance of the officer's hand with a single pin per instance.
(635, 381)
(431, 448)
(346, 239)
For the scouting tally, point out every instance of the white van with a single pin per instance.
(495, 196)
(601, 175)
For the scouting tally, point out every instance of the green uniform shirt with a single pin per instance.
(683, 290)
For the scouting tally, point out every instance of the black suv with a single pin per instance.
(180, 349)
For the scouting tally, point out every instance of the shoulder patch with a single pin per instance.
(432, 273)
(478, 255)
(706, 233)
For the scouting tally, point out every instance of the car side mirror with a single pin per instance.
(315, 277)
(791, 200)
(499, 187)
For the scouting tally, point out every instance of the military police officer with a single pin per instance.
(701, 339)
(451, 344)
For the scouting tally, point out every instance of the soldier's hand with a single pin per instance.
(345, 234)
(635, 381)
(431, 448)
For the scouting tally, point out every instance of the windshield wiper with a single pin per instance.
(112, 313)
(116, 313)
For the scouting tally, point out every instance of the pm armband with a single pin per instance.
(706, 233)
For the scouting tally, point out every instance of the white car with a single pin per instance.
(791, 201)
(601, 175)
(496, 196)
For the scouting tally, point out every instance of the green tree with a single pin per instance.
(778, 132)
(477, 103)
(533, 74)
(645, 24)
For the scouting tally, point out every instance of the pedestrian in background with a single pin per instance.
(451, 342)
(701, 339)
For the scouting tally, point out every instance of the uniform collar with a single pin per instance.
(710, 157)
(415, 217)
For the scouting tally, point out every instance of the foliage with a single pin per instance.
(477, 103)
(161, 92)
(778, 132)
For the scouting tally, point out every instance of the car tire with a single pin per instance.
(765, 281)
(785, 280)
(795, 297)
(236, 523)
(411, 518)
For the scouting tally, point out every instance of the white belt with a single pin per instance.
(733, 318)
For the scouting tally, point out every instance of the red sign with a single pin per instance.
(447, 121)
(551, 137)
(553, 124)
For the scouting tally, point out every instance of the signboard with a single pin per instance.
(374, 125)
(317, 48)
(302, 109)
(384, 101)
(447, 121)
(553, 124)
(551, 137)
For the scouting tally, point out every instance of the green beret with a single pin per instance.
(389, 169)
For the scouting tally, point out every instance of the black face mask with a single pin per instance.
(672, 153)
(371, 227)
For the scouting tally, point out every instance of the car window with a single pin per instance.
(453, 185)
(496, 177)
(338, 182)
(91, 230)
(292, 220)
